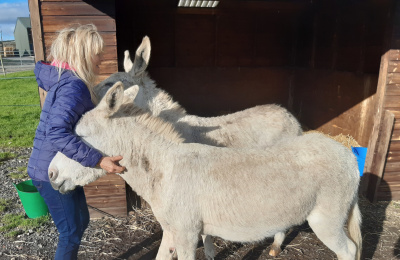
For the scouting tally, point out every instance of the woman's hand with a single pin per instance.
(111, 164)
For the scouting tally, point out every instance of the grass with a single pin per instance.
(19, 110)
(20, 174)
(6, 156)
(28, 73)
(4, 205)
(22, 169)
(15, 224)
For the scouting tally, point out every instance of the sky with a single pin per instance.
(10, 10)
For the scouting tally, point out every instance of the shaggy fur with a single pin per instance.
(260, 126)
(237, 194)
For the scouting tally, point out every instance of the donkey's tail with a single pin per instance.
(353, 227)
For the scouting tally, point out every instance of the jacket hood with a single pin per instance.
(47, 75)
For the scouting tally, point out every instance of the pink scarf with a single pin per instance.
(62, 65)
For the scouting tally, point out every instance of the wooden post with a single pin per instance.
(37, 37)
(377, 119)
(380, 137)
(379, 157)
(2, 65)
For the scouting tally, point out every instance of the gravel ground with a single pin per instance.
(138, 235)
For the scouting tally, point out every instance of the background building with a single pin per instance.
(23, 36)
(7, 48)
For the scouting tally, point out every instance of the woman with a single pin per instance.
(69, 80)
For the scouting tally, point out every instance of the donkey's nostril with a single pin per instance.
(52, 174)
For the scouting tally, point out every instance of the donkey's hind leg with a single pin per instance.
(330, 231)
(208, 247)
(276, 246)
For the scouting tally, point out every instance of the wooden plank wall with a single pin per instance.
(348, 39)
(231, 57)
(107, 193)
(58, 14)
(384, 184)
(380, 137)
(389, 187)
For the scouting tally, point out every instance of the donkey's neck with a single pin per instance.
(150, 164)
(146, 150)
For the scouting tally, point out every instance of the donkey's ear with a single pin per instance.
(113, 99)
(131, 93)
(127, 61)
(142, 57)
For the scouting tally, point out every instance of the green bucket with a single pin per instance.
(33, 203)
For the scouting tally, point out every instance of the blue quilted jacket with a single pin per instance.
(67, 100)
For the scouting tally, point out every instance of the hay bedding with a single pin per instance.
(346, 140)
(138, 236)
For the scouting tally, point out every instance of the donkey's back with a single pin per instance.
(260, 126)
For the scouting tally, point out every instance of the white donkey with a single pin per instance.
(237, 194)
(260, 126)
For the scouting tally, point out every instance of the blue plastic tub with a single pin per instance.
(360, 153)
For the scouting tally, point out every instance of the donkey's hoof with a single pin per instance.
(275, 251)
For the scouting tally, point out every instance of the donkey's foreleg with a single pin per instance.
(276, 246)
(186, 244)
(208, 247)
(166, 250)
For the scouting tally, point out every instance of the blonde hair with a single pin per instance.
(77, 46)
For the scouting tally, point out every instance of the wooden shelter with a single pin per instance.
(329, 62)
